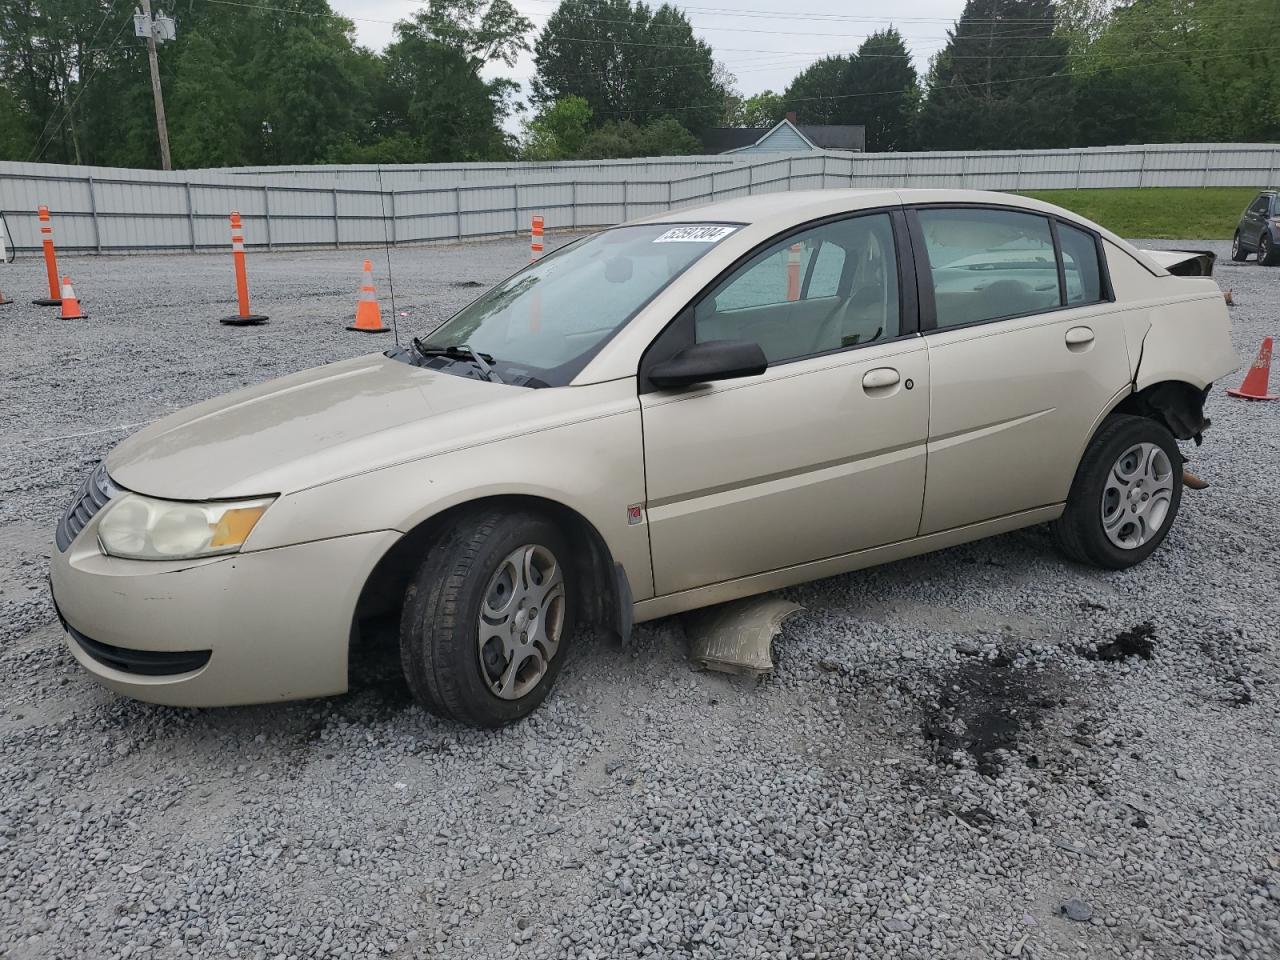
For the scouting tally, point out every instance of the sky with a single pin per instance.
(764, 43)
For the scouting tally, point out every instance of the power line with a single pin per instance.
(92, 40)
(84, 85)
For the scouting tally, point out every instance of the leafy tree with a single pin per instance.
(664, 137)
(1001, 81)
(630, 63)
(1210, 68)
(884, 91)
(762, 110)
(815, 95)
(559, 131)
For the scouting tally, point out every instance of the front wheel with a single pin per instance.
(1238, 253)
(1267, 253)
(1125, 495)
(488, 617)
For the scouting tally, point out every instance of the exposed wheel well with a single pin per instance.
(1178, 405)
(600, 600)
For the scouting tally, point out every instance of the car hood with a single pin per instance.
(308, 428)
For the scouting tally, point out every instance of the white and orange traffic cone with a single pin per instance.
(535, 240)
(793, 272)
(50, 260)
(1258, 380)
(70, 305)
(244, 317)
(368, 313)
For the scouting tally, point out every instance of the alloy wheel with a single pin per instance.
(1137, 495)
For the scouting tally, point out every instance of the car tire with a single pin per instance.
(1125, 496)
(1268, 255)
(486, 579)
(1238, 253)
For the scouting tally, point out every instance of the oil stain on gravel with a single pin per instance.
(982, 708)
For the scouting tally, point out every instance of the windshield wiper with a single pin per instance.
(481, 360)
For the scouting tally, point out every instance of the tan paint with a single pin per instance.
(807, 471)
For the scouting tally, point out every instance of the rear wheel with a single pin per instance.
(1238, 253)
(487, 618)
(1125, 496)
(1267, 254)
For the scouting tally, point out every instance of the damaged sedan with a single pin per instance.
(665, 415)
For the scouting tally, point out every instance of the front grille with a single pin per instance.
(92, 496)
(148, 663)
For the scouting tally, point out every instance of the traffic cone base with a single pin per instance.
(368, 313)
(1256, 380)
(47, 302)
(4, 299)
(70, 305)
(252, 320)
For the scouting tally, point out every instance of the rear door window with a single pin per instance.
(989, 264)
(1080, 267)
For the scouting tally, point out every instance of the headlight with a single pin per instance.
(142, 528)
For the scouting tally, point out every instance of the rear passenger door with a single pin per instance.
(1026, 350)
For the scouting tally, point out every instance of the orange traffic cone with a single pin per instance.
(4, 299)
(70, 305)
(368, 313)
(1256, 380)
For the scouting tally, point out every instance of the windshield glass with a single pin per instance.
(542, 325)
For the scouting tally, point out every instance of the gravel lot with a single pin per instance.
(954, 753)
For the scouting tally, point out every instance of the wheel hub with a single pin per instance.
(521, 621)
(1137, 495)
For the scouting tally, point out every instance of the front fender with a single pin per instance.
(592, 465)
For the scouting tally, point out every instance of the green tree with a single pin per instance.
(1000, 82)
(815, 95)
(884, 91)
(664, 137)
(761, 110)
(630, 63)
(559, 131)
(1203, 69)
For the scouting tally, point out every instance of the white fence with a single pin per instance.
(106, 210)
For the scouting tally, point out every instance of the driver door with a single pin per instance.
(824, 453)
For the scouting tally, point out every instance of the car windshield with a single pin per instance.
(541, 326)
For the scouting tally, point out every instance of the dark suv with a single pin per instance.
(1259, 230)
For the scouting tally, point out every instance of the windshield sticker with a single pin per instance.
(697, 234)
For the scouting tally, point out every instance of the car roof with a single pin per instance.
(774, 212)
(777, 211)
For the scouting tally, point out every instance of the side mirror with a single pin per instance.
(710, 361)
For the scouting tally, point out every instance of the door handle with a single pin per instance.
(1079, 336)
(880, 378)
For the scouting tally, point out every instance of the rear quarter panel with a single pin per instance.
(1178, 328)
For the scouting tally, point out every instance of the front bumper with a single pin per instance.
(247, 628)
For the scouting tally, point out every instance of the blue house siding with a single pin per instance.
(784, 138)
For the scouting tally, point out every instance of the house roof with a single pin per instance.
(821, 136)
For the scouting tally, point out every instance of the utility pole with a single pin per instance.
(162, 28)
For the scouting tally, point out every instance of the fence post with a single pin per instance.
(1079, 169)
(394, 238)
(1142, 165)
(515, 208)
(573, 202)
(93, 209)
(789, 159)
(670, 193)
(191, 216)
(457, 207)
(1017, 178)
(337, 237)
(266, 213)
(625, 199)
(824, 172)
(1271, 166)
